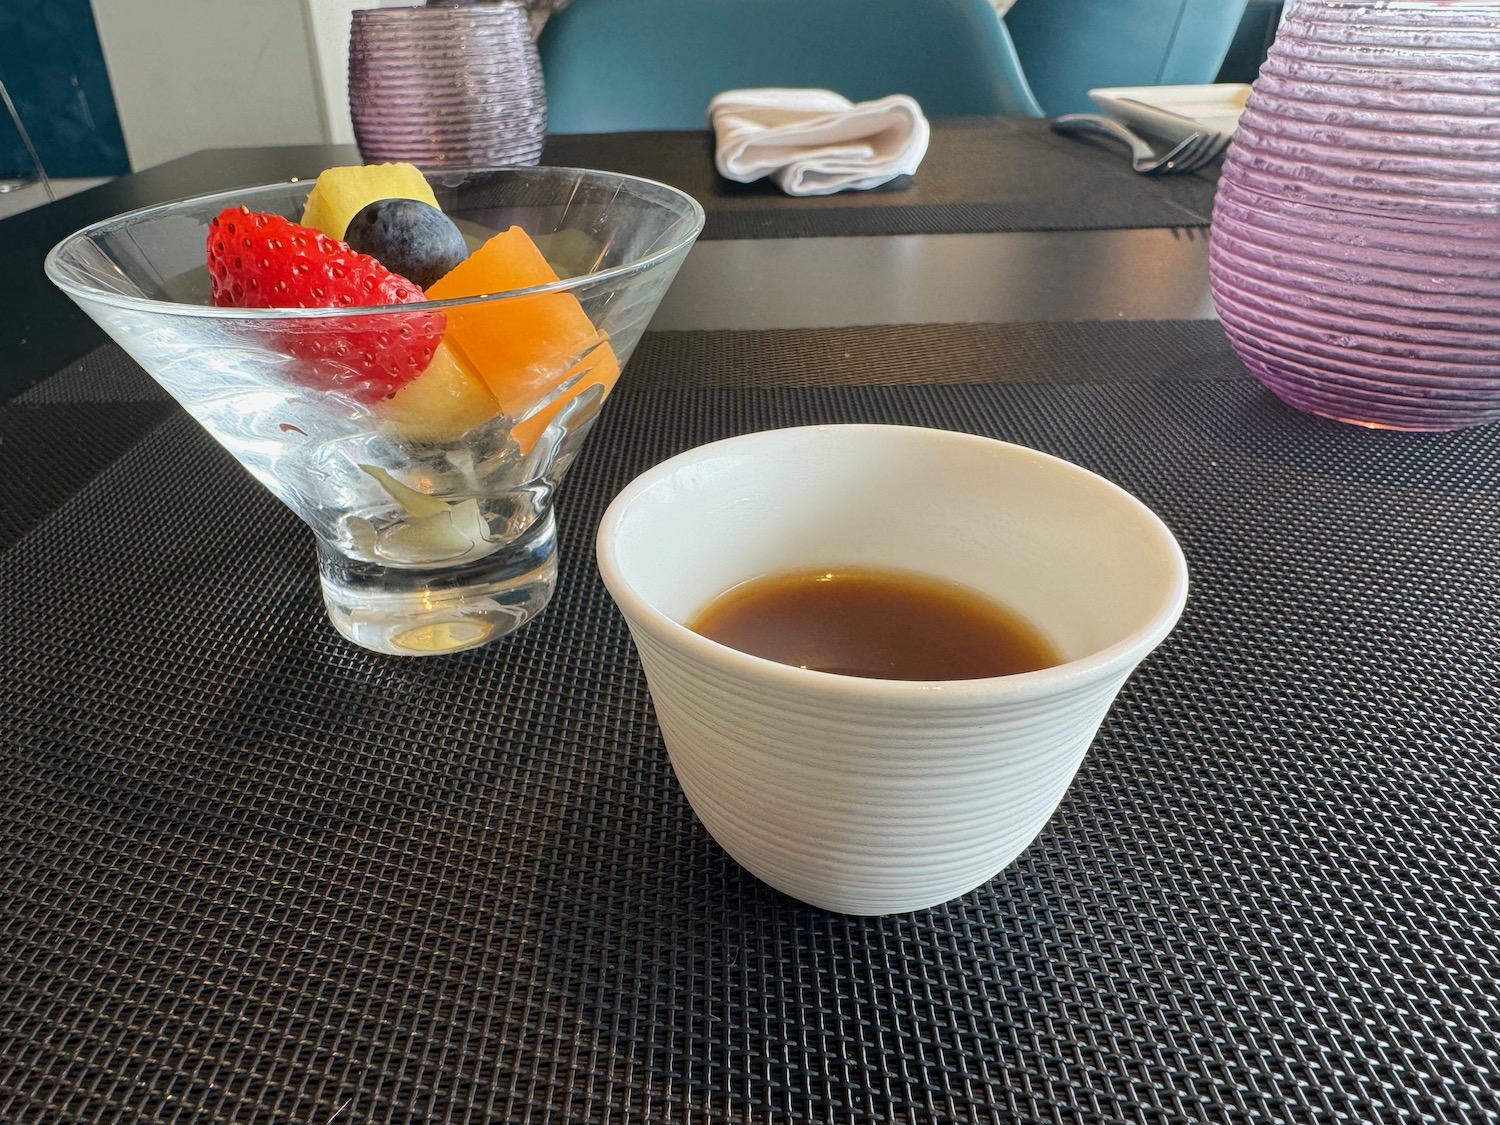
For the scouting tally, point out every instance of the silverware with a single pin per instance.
(1172, 127)
(1166, 124)
(1188, 155)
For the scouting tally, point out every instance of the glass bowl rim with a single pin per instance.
(64, 280)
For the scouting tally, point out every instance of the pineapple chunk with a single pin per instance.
(441, 404)
(341, 193)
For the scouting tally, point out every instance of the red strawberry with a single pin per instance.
(259, 261)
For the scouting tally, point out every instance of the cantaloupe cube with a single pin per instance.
(521, 346)
(600, 368)
(341, 193)
(443, 403)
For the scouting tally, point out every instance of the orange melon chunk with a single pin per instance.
(600, 368)
(521, 347)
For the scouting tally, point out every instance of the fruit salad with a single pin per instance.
(419, 428)
(375, 235)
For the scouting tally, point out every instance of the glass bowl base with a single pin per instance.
(431, 612)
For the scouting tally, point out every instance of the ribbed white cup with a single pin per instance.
(878, 796)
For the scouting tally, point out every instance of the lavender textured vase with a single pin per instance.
(1355, 247)
(447, 86)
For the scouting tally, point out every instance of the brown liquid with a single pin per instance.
(883, 624)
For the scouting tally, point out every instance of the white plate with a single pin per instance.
(1216, 106)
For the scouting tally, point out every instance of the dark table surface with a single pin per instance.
(994, 175)
(254, 873)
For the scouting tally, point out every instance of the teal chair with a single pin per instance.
(615, 65)
(1071, 46)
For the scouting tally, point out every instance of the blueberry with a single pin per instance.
(408, 237)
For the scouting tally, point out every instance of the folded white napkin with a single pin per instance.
(816, 142)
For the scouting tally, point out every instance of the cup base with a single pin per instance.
(431, 612)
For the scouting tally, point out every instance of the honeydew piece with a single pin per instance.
(600, 368)
(456, 533)
(443, 403)
(414, 503)
(341, 193)
(522, 347)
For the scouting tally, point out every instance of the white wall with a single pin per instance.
(328, 34)
(196, 74)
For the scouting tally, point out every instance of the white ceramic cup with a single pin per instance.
(874, 796)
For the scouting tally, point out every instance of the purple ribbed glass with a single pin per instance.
(447, 86)
(1355, 247)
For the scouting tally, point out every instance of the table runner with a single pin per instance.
(980, 175)
(251, 871)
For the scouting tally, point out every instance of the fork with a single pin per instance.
(1188, 155)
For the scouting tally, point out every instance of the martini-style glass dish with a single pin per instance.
(431, 505)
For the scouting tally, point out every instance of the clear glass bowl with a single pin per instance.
(432, 513)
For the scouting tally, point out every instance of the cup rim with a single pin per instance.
(67, 282)
(931, 694)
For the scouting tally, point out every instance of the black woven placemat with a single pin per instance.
(253, 873)
(979, 175)
(57, 436)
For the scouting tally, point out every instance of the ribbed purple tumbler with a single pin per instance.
(1355, 247)
(449, 85)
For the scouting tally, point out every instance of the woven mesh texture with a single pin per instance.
(105, 375)
(979, 176)
(253, 873)
(934, 353)
(58, 435)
